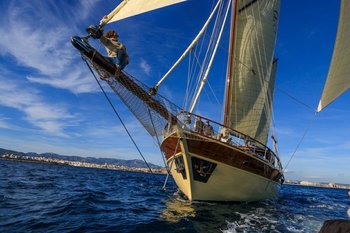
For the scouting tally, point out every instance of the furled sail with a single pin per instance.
(338, 79)
(252, 70)
(129, 8)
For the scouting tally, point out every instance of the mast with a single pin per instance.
(230, 61)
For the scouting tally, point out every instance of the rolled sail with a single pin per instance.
(338, 79)
(249, 94)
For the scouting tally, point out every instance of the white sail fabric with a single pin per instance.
(338, 79)
(265, 117)
(130, 8)
(253, 73)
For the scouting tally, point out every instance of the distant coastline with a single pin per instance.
(316, 184)
(118, 164)
(76, 161)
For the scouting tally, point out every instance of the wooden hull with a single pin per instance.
(208, 170)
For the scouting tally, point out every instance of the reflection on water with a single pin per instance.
(177, 209)
(202, 216)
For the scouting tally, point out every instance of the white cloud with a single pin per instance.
(145, 67)
(49, 117)
(316, 177)
(35, 44)
(4, 124)
(286, 131)
(85, 8)
(75, 80)
(38, 38)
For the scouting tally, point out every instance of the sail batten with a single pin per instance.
(130, 8)
(253, 68)
(338, 78)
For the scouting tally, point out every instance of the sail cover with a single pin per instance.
(129, 8)
(338, 79)
(253, 68)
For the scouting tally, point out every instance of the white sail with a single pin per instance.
(265, 117)
(129, 8)
(338, 79)
(252, 69)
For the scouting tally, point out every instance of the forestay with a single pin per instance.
(338, 79)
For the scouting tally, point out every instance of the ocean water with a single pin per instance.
(38, 197)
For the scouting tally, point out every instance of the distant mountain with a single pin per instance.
(135, 163)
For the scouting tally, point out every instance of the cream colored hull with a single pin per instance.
(226, 183)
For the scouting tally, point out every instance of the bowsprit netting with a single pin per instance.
(153, 111)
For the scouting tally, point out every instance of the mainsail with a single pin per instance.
(252, 72)
(129, 8)
(338, 79)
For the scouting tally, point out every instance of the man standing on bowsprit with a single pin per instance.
(116, 50)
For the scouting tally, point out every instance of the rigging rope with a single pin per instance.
(213, 93)
(296, 100)
(184, 105)
(155, 131)
(171, 165)
(307, 128)
(116, 113)
(211, 50)
(301, 140)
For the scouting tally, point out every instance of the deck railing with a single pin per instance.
(214, 130)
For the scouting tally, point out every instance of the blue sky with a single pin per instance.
(50, 102)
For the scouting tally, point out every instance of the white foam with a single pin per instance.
(323, 206)
(264, 221)
(260, 220)
(293, 229)
(232, 226)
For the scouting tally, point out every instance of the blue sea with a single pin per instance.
(38, 197)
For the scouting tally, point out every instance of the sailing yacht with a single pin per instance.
(210, 160)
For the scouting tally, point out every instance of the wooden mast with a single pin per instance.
(230, 62)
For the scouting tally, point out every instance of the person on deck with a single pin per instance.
(116, 51)
(198, 125)
(208, 129)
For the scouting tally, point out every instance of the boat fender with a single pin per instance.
(95, 31)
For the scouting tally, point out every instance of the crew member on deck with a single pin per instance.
(208, 129)
(116, 50)
(198, 125)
